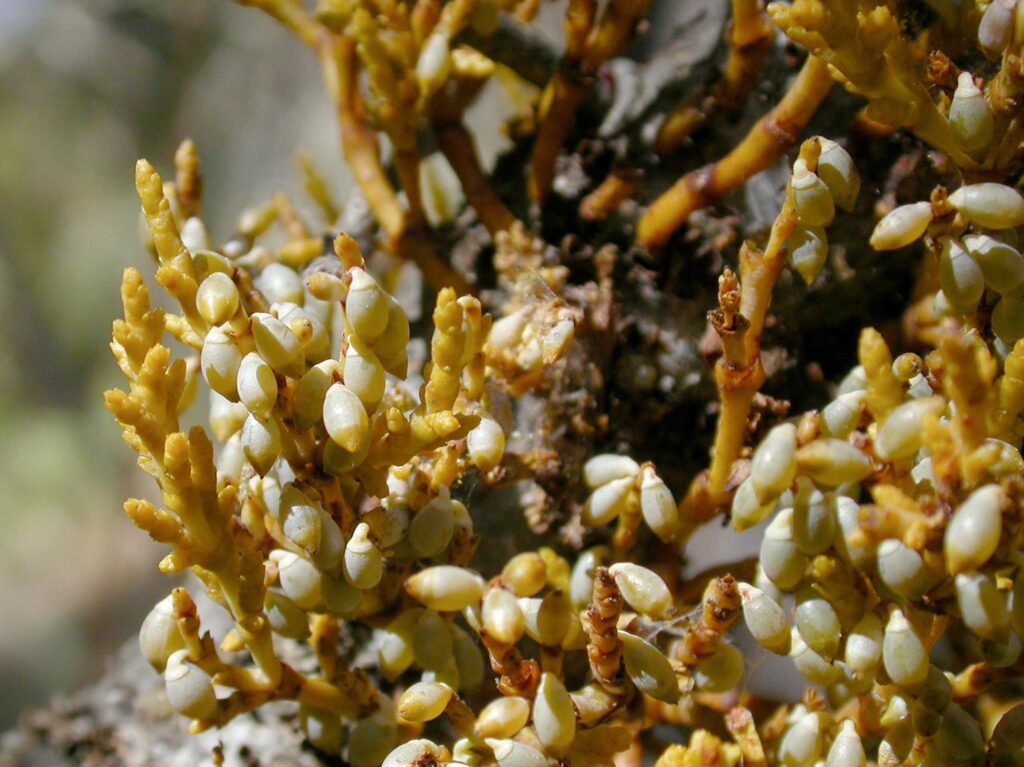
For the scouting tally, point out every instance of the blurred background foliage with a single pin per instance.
(86, 88)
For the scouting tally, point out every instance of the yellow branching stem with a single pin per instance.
(773, 135)
(316, 187)
(739, 374)
(358, 141)
(590, 42)
(338, 54)
(617, 187)
(749, 39)
(470, 72)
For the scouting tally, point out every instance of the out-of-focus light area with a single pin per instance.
(86, 88)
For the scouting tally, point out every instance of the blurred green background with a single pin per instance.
(86, 88)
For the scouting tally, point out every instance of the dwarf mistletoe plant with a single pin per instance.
(329, 503)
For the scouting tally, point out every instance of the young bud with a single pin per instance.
(445, 588)
(189, 688)
(643, 589)
(973, 532)
(991, 205)
(1001, 264)
(811, 197)
(901, 226)
(836, 169)
(308, 328)
(765, 620)
(603, 468)
(345, 417)
(649, 669)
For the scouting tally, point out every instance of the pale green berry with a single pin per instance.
(991, 205)
(445, 587)
(811, 197)
(970, 116)
(554, 717)
(903, 653)
(603, 468)
(648, 668)
(189, 688)
(973, 532)
(901, 226)
(1001, 264)
(765, 620)
(643, 590)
